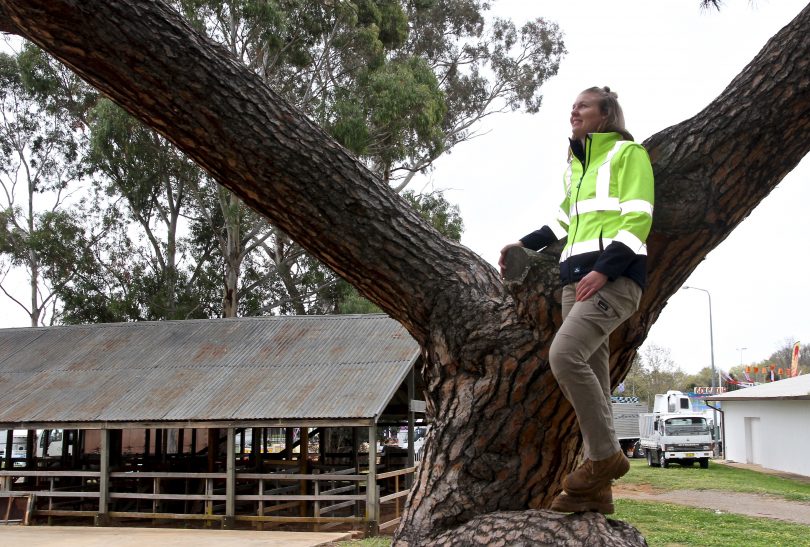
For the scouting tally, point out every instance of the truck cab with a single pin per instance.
(675, 433)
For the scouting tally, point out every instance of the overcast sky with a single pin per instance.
(667, 60)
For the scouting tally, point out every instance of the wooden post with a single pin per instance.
(213, 441)
(181, 440)
(30, 453)
(194, 442)
(259, 524)
(209, 503)
(255, 448)
(322, 433)
(7, 464)
(102, 519)
(78, 447)
(411, 419)
(6, 482)
(396, 491)
(303, 459)
(372, 499)
(288, 442)
(230, 480)
(316, 505)
(46, 442)
(66, 436)
(356, 460)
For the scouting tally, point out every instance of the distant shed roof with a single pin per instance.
(220, 370)
(797, 388)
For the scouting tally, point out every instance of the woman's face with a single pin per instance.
(586, 116)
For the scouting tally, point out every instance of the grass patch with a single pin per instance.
(716, 477)
(377, 541)
(670, 525)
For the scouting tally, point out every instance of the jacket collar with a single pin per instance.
(595, 144)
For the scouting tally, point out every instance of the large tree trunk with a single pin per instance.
(503, 433)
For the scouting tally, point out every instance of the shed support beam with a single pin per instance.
(213, 448)
(411, 419)
(9, 447)
(288, 443)
(303, 460)
(102, 519)
(230, 480)
(372, 497)
(30, 454)
(5, 482)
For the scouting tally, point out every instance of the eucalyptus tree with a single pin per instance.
(42, 225)
(154, 182)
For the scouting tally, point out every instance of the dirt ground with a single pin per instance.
(85, 536)
(754, 505)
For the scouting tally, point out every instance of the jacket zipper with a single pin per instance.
(576, 198)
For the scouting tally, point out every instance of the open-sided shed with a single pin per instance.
(252, 381)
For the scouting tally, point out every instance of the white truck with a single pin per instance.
(674, 432)
(20, 439)
(626, 411)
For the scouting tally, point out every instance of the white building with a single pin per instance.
(767, 424)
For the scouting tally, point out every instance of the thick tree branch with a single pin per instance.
(7, 23)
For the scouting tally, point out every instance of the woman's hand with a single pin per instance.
(502, 261)
(588, 285)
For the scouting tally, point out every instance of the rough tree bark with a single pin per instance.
(503, 434)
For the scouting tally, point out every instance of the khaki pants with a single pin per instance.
(579, 359)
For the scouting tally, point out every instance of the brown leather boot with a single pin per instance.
(600, 501)
(592, 475)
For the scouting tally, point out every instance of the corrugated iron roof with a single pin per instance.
(258, 368)
(788, 388)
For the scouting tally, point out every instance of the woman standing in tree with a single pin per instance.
(606, 216)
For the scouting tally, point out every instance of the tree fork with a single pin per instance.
(503, 433)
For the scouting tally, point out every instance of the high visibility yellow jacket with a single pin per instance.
(607, 211)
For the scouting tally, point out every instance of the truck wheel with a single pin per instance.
(649, 458)
(662, 460)
(704, 463)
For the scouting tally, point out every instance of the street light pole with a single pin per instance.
(711, 347)
(741, 350)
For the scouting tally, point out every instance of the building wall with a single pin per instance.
(770, 433)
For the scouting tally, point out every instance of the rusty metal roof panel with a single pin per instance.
(265, 368)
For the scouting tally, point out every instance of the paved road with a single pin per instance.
(75, 536)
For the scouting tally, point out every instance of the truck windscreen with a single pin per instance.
(686, 426)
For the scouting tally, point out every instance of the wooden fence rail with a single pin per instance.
(256, 495)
